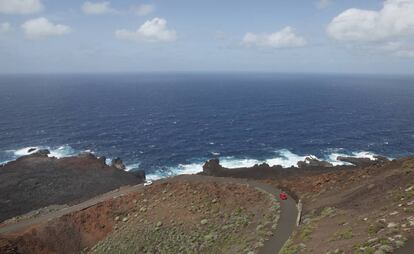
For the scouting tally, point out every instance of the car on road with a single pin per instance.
(147, 183)
(283, 196)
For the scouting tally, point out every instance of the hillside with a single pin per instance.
(353, 209)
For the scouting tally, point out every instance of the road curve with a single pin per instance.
(288, 209)
(285, 227)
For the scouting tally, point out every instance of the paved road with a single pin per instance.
(407, 249)
(288, 210)
(286, 225)
(15, 227)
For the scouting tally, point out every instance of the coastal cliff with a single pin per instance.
(37, 180)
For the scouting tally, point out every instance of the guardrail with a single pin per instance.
(299, 206)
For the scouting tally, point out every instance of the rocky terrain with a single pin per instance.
(36, 181)
(170, 217)
(365, 207)
(368, 208)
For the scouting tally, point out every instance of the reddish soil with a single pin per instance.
(178, 201)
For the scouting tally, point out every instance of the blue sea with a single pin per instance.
(171, 123)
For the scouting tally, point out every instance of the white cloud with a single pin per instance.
(389, 30)
(285, 38)
(5, 27)
(322, 4)
(396, 18)
(97, 8)
(41, 28)
(143, 9)
(20, 6)
(152, 30)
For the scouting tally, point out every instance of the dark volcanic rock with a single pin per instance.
(35, 181)
(102, 159)
(117, 163)
(139, 173)
(312, 162)
(42, 152)
(361, 162)
(212, 167)
(31, 150)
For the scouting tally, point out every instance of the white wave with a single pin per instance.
(62, 151)
(58, 152)
(131, 166)
(231, 162)
(284, 158)
(24, 151)
(332, 157)
(364, 154)
(215, 153)
(192, 168)
(154, 176)
(181, 169)
(287, 159)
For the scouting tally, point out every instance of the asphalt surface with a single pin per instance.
(285, 227)
(407, 249)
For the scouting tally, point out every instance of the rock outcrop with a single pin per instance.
(360, 162)
(42, 152)
(139, 173)
(118, 163)
(212, 167)
(312, 162)
(35, 181)
(102, 159)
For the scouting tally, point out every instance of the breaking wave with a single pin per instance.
(58, 152)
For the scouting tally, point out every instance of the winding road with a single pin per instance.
(285, 227)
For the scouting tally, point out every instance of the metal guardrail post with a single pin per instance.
(299, 206)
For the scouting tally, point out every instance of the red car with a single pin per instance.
(283, 196)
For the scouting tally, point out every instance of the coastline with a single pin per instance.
(282, 157)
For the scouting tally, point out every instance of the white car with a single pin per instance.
(147, 183)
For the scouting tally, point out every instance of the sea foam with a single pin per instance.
(58, 152)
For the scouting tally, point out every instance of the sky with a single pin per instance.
(295, 36)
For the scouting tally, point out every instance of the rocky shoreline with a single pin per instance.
(310, 166)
